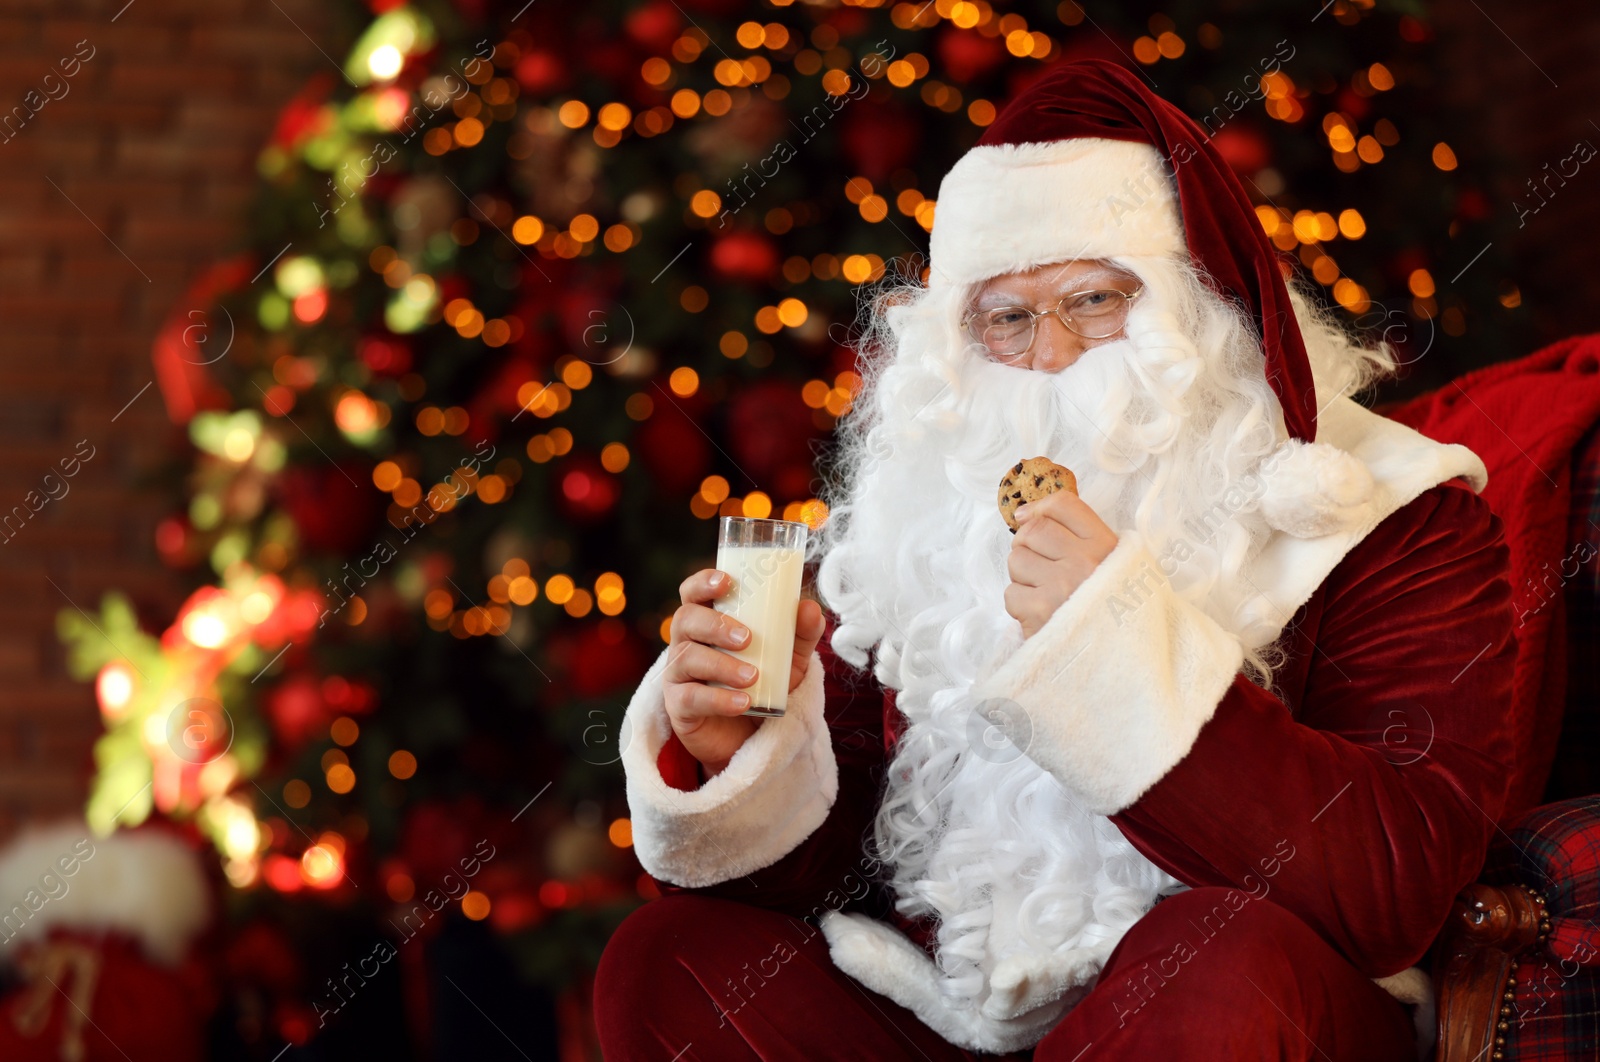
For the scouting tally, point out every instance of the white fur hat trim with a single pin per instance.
(1003, 208)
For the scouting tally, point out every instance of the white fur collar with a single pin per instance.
(1317, 527)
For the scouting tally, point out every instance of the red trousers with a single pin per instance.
(690, 977)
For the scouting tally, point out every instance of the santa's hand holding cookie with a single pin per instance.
(1059, 539)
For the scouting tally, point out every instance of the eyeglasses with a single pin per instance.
(1008, 330)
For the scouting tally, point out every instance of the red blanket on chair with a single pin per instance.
(1523, 418)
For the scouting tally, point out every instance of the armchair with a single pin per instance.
(1516, 969)
(1518, 965)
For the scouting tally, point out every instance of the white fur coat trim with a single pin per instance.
(885, 960)
(1402, 463)
(1116, 685)
(145, 883)
(1084, 197)
(773, 794)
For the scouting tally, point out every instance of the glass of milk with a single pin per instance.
(765, 559)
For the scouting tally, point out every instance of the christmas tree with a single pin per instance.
(530, 297)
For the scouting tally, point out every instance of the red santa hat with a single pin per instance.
(1088, 162)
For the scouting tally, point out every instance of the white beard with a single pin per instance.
(979, 836)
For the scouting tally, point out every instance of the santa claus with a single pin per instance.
(1191, 764)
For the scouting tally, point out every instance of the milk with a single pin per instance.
(765, 598)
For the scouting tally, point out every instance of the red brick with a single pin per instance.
(127, 36)
(146, 81)
(60, 303)
(19, 72)
(276, 82)
(185, 230)
(77, 113)
(33, 334)
(56, 146)
(18, 272)
(41, 789)
(78, 269)
(255, 42)
(19, 33)
(140, 156)
(33, 229)
(18, 656)
(214, 115)
(230, 200)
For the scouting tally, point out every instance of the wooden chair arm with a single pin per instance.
(1490, 928)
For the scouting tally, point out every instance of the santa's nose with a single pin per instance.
(1055, 346)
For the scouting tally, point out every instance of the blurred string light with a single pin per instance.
(385, 62)
(380, 53)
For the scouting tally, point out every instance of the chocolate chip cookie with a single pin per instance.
(1030, 480)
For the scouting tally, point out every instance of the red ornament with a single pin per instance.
(585, 490)
(716, 7)
(1353, 104)
(385, 355)
(297, 615)
(261, 954)
(746, 256)
(1414, 30)
(497, 398)
(770, 429)
(301, 115)
(611, 59)
(654, 26)
(541, 72)
(591, 318)
(1472, 205)
(446, 845)
(848, 21)
(1403, 264)
(348, 698)
(296, 710)
(879, 138)
(673, 447)
(1243, 147)
(602, 657)
(334, 506)
(965, 56)
(175, 541)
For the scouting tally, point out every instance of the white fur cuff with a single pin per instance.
(773, 794)
(1412, 987)
(1114, 688)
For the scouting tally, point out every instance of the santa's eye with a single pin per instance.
(1008, 316)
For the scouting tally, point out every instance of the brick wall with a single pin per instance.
(113, 197)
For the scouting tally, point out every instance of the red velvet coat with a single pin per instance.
(1378, 758)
